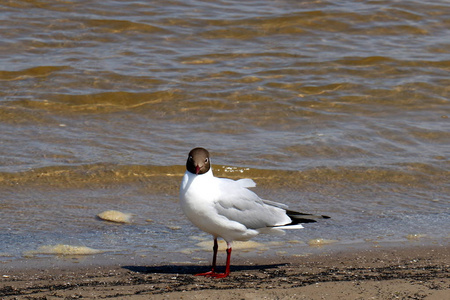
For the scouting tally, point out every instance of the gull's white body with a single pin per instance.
(226, 208)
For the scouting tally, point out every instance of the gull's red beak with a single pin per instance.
(197, 169)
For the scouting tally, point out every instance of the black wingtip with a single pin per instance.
(297, 217)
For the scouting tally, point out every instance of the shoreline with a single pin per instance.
(416, 272)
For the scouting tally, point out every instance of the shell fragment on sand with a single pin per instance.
(62, 249)
(320, 242)
(115, 216)
(415, 236)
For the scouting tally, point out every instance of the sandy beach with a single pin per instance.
(389, 273)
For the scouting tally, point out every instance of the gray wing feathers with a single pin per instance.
(277, 204)
(246, 182)
(243, 206)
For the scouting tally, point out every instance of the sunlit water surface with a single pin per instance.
(332, 107)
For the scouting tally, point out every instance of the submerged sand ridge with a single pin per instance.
(357, 215)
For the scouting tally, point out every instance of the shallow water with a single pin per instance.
(339, 108)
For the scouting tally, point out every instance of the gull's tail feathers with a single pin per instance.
(289, 226)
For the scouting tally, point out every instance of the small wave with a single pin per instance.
(105, 102)
(119, 26)
(94, 175)
(108, 100)
(35, 72)
(365, 61)
(167, 178)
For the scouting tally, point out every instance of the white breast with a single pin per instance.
(197, 196)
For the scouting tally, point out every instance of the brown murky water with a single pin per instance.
(333, 107)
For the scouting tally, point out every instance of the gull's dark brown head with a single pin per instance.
(198, 161)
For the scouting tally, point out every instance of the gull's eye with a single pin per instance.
(206, 160)
(190, 158)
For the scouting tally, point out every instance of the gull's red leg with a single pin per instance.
(213, 269)
(227, 268)
(215, 249)
(213, 273)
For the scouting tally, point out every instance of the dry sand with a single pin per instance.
(394, 273)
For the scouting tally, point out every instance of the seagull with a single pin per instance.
(227, 209)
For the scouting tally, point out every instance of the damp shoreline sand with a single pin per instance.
(420, 272)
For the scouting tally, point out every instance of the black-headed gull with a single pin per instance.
(227, 209)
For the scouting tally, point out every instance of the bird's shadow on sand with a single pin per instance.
(193, 269)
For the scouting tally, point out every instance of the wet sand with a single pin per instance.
(390, 273)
